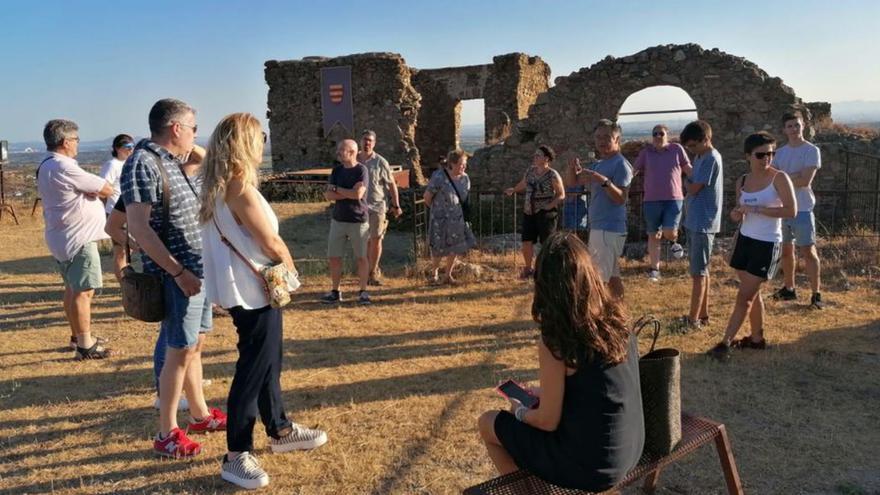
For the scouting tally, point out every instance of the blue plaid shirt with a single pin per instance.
(141, 182)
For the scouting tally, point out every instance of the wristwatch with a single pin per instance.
(606, 182)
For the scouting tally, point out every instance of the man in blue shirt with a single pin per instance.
(609, 181)
(703, 216)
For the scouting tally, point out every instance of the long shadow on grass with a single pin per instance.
(792, 411)
(308, 301)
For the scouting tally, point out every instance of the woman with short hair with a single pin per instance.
(447, 195)
(240, 233)
(544, 193)
(587, 431)
(764, 196)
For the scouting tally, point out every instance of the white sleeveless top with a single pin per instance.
(228, 280)
(756, 225)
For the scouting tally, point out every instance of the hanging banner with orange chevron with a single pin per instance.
(336, 104)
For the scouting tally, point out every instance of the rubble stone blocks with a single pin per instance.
(733, 94)
(383, 100)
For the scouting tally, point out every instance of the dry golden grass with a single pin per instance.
(398, 386)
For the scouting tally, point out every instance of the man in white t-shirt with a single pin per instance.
(74, 218)
(800, 159)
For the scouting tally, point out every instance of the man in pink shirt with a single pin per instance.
(662, 164)
(74, 218)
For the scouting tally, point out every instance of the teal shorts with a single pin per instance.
(83, 271)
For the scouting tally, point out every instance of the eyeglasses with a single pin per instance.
(74, 139)
(760, 155)
(658, 134)
(194, 127)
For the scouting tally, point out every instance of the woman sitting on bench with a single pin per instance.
(587, 431)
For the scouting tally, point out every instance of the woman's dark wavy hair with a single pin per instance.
(576, 313)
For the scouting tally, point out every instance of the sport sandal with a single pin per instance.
(94, 352)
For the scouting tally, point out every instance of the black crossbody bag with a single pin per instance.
(465, 206)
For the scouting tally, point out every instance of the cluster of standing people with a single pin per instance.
(185, 209)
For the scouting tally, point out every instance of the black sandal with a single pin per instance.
(748, 343)
(93, 352)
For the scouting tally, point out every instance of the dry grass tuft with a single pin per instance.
(398, 386)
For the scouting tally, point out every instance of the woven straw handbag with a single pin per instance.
(660, 376)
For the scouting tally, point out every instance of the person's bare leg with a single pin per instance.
(528, 254)
(748, 287)
(363, 267)
(502, 460)
(81, 317)
(756, 317)
(335, 271)
(68, 303)
(812, 266)
(615, 284)
(118, 262)
(671, 235)
(788, 264)
(192, 382)
(450, 265)
(704, 308)
(654, 241)
(170, 385)
(698, 291)
(374, 250)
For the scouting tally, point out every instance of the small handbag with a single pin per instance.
(142, 293)
(278, 282)
(660, 377)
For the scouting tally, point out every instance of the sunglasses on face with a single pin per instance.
(760, 155)
(128, 146)
(659, 134)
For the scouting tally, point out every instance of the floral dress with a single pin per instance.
(448, 233)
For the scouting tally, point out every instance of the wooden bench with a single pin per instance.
(695, 432)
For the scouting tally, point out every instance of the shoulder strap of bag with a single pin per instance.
(246, 260)
(454, 188)
(37, 174)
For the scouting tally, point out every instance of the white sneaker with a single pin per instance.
(677, 250)
(183, 405)
(299, 438)
(244, 471)
(654, 275)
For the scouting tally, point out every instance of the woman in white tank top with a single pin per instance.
(231, 204)
(764, 196)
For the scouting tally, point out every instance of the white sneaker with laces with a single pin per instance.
(654, 275)
(677, 250)
(183, 405)
(299, 438)
(244, 471)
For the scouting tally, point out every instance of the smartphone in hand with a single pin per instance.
(512, 390)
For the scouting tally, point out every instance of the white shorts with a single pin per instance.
(606, 247)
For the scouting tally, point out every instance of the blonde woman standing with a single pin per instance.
(232, 204)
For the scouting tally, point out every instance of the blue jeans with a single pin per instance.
(185, 319)
(662, 215)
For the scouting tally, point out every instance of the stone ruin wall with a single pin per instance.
(415, 113)
(734, 95)
(383, 99)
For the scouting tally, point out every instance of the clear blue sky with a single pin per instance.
(103, 64)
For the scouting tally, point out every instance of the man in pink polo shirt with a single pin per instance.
(662, 164)
(74, 218)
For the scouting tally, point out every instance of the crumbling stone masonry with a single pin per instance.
(383, 100)
(731, 93)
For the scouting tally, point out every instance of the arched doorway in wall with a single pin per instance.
(642, 110)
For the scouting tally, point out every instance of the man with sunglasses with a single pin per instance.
(174, 252)
(800, 159)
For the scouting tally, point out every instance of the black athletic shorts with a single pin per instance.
(539, 226)
(760, 258)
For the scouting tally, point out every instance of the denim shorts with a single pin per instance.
(185, 317)
(699, 252)
(662, 215)
(801, 229)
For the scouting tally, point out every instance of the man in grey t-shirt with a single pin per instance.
(800, 159)
(380, 186)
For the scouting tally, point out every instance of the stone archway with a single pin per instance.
(733, 94)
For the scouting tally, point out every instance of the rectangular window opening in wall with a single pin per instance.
(472, 133)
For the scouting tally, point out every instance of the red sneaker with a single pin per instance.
(215, 421)
(176, 445)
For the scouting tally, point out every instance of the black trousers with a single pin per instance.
(256, 385)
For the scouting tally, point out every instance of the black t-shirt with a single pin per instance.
(349, 210)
